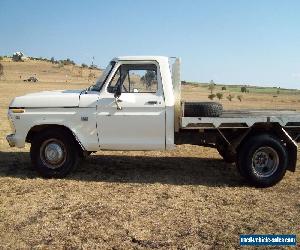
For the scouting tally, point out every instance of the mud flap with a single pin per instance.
(292, 148)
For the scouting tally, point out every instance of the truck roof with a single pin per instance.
(137, 58)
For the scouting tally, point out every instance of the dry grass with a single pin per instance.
(186, 198)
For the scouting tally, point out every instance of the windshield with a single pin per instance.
(101, 80)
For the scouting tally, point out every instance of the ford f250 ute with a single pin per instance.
(136, 105)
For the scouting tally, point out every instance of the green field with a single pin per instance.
(252, 89)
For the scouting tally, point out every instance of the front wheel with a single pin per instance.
(263, 160)
(54, 153)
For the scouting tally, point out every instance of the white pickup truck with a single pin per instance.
(136, 105)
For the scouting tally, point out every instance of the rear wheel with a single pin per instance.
(263, 160)
(54, 153)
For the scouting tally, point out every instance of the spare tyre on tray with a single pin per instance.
(202, 109)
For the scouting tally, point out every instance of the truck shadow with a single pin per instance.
(134, 169)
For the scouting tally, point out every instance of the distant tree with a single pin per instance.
(230, 97)
(211, 96)
(239, 97)
(1, 70)
(244, 89)
(224, 88)
(149, 78)
(52, 60)
(83, 65)
(211, 86)
(219, 96)
(68, 61)
(278, 91)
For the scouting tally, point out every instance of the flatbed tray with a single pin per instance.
(244, 119)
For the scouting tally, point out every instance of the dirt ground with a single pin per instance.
(186, 198)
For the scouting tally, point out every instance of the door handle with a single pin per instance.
(152, 102)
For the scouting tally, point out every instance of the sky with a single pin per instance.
(253, 42)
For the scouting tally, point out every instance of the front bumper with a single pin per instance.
(11, 139)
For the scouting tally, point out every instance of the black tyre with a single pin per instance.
(263, 160)
(203, 109)
(227, 155)
(54, 153)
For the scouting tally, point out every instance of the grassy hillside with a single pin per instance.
(46, 71)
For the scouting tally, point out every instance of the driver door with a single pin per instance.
(139, 124)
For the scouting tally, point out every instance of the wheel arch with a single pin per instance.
(277, 131)
(42, 127)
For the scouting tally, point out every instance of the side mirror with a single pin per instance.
(118, 91)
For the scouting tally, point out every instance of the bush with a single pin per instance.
(211, 86)
(244, 89)
(83, 65)
(1, 58)
(239, 97)
(67, 62)
(230, 97)
(211, 96)
(93, 66)
(219, 96)
(224, 88)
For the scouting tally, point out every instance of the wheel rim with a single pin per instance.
(265, 162)
(53, 153)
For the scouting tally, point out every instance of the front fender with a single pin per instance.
(84, 130)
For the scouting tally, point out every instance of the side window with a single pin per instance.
(142, 80)
(135, 78)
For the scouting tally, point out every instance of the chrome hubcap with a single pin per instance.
(53, 153)
(265, 161)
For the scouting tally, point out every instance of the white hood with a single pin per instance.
(48, 99)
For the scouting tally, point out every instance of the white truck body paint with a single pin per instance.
(48, 99)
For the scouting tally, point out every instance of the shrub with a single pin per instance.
(244, 89)
(239, 97)
(224, 88)
(83, 65)
(211, 86)
(219, 96)
(93, 66)
(67, 62)
(230, 97)
(211, 96)
(1, 58)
